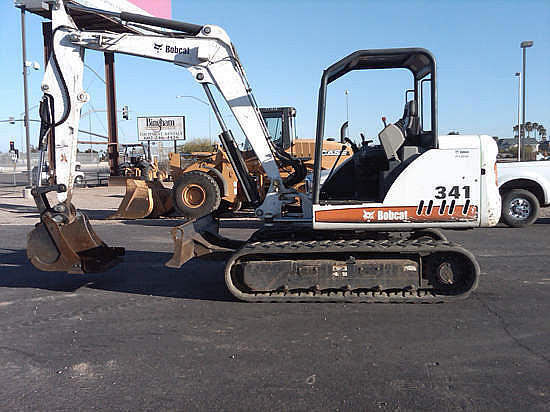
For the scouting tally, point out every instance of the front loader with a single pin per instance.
(145, 195)
(205, 182)
(367, 231)
(196, 195)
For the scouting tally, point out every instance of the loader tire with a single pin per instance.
(196, 194)
(519, 208)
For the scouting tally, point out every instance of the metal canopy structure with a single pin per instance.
(419, 61)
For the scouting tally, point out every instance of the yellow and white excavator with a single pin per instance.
(366, 230)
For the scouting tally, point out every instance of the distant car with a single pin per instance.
(78, 179)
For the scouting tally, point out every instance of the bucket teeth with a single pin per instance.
(72, 247)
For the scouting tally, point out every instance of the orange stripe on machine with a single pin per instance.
(398, 214)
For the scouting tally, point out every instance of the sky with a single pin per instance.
(285, 46)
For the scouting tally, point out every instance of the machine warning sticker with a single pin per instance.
(462, 154)
(340, 270)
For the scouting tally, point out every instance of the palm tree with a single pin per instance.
(542, 132)
(535, 127)
(529, 128)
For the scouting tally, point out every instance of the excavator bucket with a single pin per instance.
(72, 247)
(199, 237)
(144, 199)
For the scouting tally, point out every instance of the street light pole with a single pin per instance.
(518, 75)
(524, 45)
(347, 111)
(25, 92)
(209, 113)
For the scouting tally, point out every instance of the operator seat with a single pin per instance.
(410, 122)
(403, 132)
(412, 127)
(401, 144)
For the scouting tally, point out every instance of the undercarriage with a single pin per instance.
(285, 263)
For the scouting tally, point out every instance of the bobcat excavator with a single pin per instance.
(368, 230)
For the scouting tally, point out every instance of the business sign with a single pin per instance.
(161, 128)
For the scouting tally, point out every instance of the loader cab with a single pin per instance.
(281, 126)
(280, 122)
(370, 172)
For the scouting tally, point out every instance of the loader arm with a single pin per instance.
(206, 51)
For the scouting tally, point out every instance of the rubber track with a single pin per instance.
(422, 247)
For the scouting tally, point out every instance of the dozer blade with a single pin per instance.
(199, 237)
(70, 247)
(137, 203)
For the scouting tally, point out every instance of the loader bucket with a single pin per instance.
(117, 180)
(199, 237)
(163, 202)
(72, 247)
(137, 203)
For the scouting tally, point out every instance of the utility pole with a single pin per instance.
(524, 45)
(347, 111)
(518, 75)
(25, 92)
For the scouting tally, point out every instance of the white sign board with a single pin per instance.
(153, 128)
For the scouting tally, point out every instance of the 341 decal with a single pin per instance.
(442, 192)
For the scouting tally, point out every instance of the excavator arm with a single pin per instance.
(206, 51)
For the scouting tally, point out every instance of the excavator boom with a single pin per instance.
(206, 51)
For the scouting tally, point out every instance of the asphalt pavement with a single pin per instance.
(146, 337)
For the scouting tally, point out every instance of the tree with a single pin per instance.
(528, 128)
(542, 132)
(535, 127)
(197, 145)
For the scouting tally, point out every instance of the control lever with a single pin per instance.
(384, 121)
(364, 141)
(354, 147)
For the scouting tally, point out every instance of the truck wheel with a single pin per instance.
(196, 194)
(519, 208)
(78, 180)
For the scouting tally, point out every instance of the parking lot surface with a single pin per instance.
(145, 337)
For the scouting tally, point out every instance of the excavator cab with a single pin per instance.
(370, 172)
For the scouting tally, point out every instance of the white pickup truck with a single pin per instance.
(78, 177)
(524, 189)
